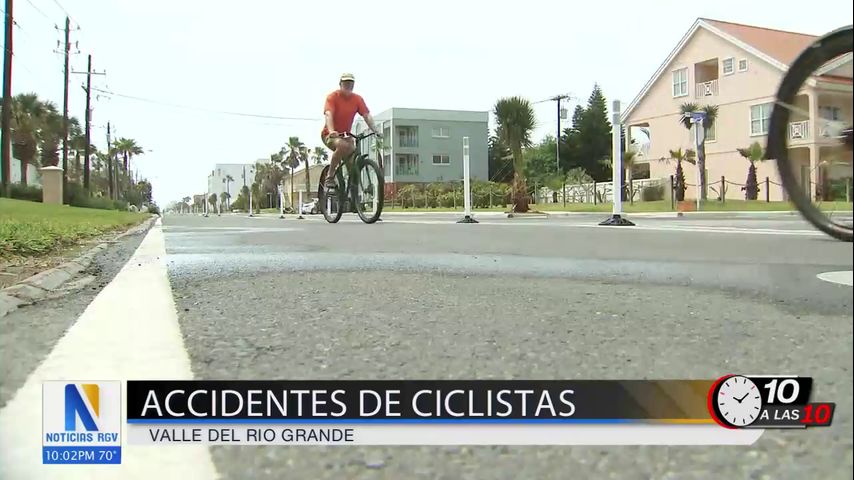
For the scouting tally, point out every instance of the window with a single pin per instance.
(407, 137)
(441, 132)
(760, 115)
(742, 65)
(712, 133)
(729, 66)
(680, 82)
(441, 160)
(829, 113)
(407, 164)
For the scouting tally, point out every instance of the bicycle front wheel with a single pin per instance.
(814, 155)
(332, 202)
(368, 190)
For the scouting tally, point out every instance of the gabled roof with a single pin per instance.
(778, 44)
(778, 48)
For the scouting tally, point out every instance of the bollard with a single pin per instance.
(616, 218)
(467, 216)
(300, 217)
(723, 189)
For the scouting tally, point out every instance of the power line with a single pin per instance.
(223, 112)
(39, 10)
(63, 9)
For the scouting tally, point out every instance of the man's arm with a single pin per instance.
(370, 121)
(329, 124)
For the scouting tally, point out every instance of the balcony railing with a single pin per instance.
(707, 89)
(799, 130)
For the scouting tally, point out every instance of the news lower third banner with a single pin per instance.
(732, 410)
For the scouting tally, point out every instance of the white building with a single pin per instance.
(231, 178)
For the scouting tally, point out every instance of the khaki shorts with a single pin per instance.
(329, 141)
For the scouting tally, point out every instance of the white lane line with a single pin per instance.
(842, 277)
(129, 331)
(683, 228)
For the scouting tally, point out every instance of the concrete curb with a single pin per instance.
(42, 284)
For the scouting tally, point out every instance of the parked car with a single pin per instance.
(311, 207)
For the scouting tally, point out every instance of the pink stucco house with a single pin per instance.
(738, 68)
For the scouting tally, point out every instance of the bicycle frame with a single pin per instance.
(352, 160)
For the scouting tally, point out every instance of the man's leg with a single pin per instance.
(341, 148)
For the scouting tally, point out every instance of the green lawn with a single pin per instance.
(32, 228)
(642, 207)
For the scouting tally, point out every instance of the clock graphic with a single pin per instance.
(735, 401)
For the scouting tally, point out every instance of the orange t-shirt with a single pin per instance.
(344, 110)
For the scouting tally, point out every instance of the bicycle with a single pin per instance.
(358, 166)
(824, 56)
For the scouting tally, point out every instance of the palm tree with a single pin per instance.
(711, 114)
(27, 112)
(754, 153)
(320, 155)
(630, 156)
(292, 157)
(227, 180)
(516, 120)
(680, 156)
(303, 153)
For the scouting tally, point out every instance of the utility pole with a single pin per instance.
(65, 110)
(558, 98)
(88, 120)
(88, 149)
(109, 164)
(5, 138)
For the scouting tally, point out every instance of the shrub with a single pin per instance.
(29, 193)
(652, 193)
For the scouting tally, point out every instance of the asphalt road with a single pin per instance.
(420, 296)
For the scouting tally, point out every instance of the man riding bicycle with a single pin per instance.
(340, 109)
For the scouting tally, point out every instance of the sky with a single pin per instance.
(185, 60)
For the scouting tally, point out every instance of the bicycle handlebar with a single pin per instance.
(357, 137)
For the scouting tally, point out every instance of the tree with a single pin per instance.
(629, 158)
(540, 160)
(292, 159)
(500, 161)
(754, 153)
(27, 119)
(516, 120)
(711, 114)
(540, 165)
(227, 180)
(303, 153)
(320, 155)
(679, 179)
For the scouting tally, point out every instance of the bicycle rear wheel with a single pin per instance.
(332, 203)
(819, 71)
(368, 190)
